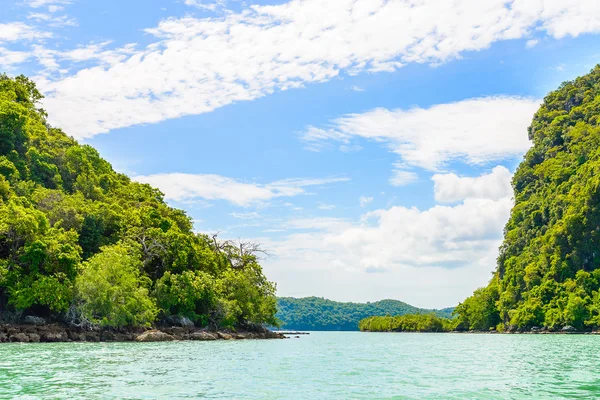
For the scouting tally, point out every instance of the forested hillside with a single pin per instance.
(548, 271)
(318, 314)
(82, 243)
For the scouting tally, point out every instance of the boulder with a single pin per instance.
(224, 336)
(154, 336)
(568, 329)
(33, 337)
(3, 337)
(19, 337)
(54, 336)
(202, 336)
(33, 320)
(176, 320)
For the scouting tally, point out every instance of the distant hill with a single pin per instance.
(319, 314)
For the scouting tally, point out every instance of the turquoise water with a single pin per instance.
(328, 365)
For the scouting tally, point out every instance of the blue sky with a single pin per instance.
(367, 144)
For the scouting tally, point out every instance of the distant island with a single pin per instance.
(319, 314)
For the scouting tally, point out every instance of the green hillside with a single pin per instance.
(548, 271)
(318, 314)
(83, 244)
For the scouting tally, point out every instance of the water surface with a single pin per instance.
(323, 365)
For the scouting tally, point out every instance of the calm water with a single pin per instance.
(319, 366)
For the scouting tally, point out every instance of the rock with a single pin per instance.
(202, 336)
(19, 337)
(3, 337)
(33, 320)
(535, 329)
(54, 336)
(568, 329)
(33, 337)
(177, 320)
(107, 336)
(224, 336)
(124, 337)
(92, 337)
(154, 336)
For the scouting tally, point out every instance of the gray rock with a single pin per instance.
(33, 337)
(568, 329)
(154, 336)
(177, 320)
(33, 320)
(202, 336)
(224, 336)
(54, 336)
(19, 337)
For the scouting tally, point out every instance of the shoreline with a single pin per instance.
(53, 333)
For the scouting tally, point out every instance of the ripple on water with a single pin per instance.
(323, 365)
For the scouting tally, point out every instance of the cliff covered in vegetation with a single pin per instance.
(318, 314)
(83, 244)
(548, 270)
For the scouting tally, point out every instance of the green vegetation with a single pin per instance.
(318, 314)
(548, 271)
(407, 323)
(79, 240)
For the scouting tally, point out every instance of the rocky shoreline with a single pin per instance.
(19, 333)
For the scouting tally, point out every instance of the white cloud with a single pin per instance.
(53, 20)
(16, 31)
(324, 206)
(357, 89)
(248, 215)
(475, 131)
(401, 177)
(199, 64)
(44, 3)
(207, 6)
(434, 257)
(363, 200)
(188, 187)
(531, 43)
(449, 188)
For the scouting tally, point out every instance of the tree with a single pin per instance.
(112, 292)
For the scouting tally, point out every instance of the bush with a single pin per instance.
(190, 294)
(112, 292)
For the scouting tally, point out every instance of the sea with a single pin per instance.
(321, 365)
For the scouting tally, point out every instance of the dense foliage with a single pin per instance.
(78, 238)
(407, 323)
(318, 314)
(548, 272)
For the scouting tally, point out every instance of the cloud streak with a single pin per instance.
(475, 131)
(189, 187)
(196, 65)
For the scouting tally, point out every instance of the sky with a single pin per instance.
(368, 145)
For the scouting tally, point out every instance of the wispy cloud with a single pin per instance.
(187, 187)
(363, 200)
(196, 65)
(474, 131)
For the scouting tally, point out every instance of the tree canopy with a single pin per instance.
(318, 314)
(548, 270)
(77, 236)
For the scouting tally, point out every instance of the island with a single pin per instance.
(86, 253)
